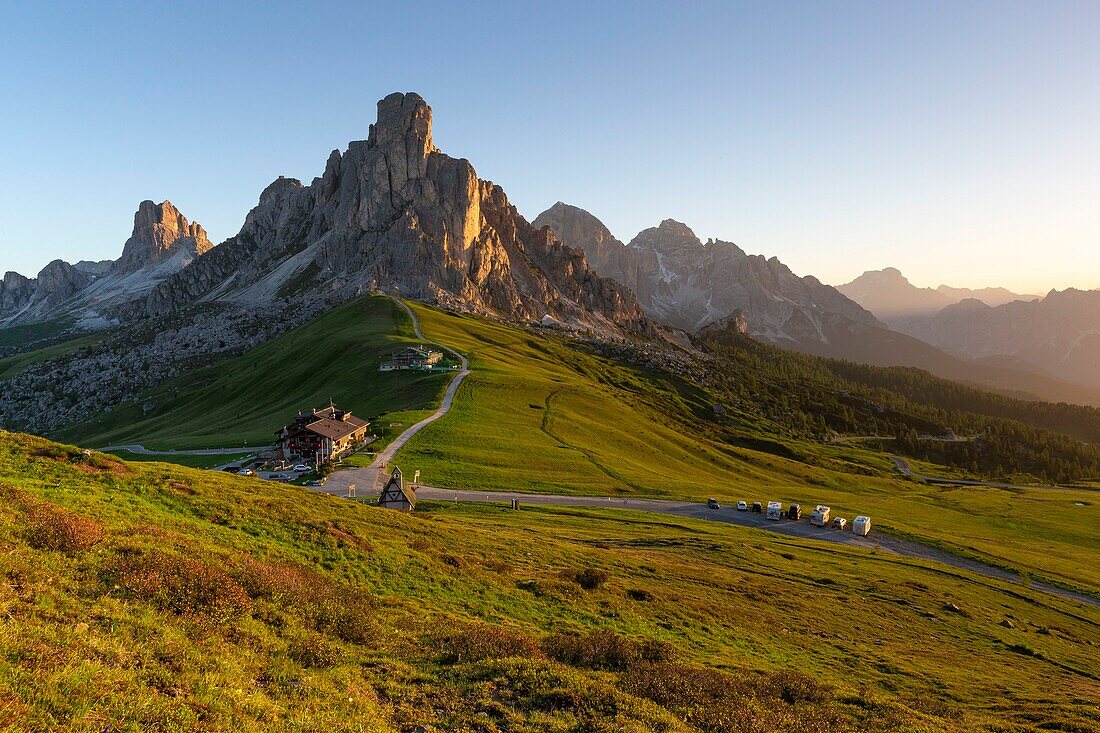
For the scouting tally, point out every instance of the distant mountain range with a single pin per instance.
(1057, 335)
(683, 282)
(894, 300)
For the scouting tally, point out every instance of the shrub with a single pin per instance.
(638, 594)
(602, 649)
(718, 701)
(589, 578)
(315, 651)
(328, 607)
(791, 687)
(475, 642)
(181, 585)
(50, 527)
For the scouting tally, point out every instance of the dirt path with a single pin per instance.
(368, 479)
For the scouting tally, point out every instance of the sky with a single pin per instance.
(955, 141)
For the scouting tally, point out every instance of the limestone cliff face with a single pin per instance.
(160, 230)
(393, 212)
(687, 284)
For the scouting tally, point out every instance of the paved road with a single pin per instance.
(142, 450)
(803, 529)
(368, 479)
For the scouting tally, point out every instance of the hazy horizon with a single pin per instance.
(956, 144)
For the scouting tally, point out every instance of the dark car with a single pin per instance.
(712, 503)
(794, 512)
(757, 508)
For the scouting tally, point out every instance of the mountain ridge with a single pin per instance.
(395, 213)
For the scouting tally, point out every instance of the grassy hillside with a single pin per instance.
(538, 415)
(154, 597)
(242, 401)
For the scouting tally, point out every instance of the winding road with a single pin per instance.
(367, 479)
(801, 529)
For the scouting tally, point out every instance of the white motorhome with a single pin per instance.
(861, 525)
(775, 510)
(820, 517)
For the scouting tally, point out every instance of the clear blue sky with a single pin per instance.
(959, 142)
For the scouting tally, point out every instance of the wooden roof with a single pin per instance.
(334, 429)
(395, 489)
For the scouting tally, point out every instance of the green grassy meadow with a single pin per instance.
(148, 596)
(537, 415)
(244, 400)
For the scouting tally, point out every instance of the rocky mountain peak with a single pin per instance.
(577, 227)
(404, 125)
(160, 230)
(395, 213)
(671, 238)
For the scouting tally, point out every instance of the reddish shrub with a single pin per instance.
(181, 585)
(51, 527)
(54, 528)
(717, 701)
(475, 642)
(602, 649)
(327, 606)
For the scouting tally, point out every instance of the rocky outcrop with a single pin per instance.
(393, 212)
(160, 231)
(683, 282)
(15, 292)
(728, 330)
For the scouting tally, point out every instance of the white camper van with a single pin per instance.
(861, 525)
(820, 517)
(775, 510)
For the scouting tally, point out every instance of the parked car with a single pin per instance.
(775, 511)
(757, 508)
(840, 523)
(712, 503)
(742, 506)
(861, 525)
(302, 468)
(246, 472)
(820, 517)
(795, 512)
